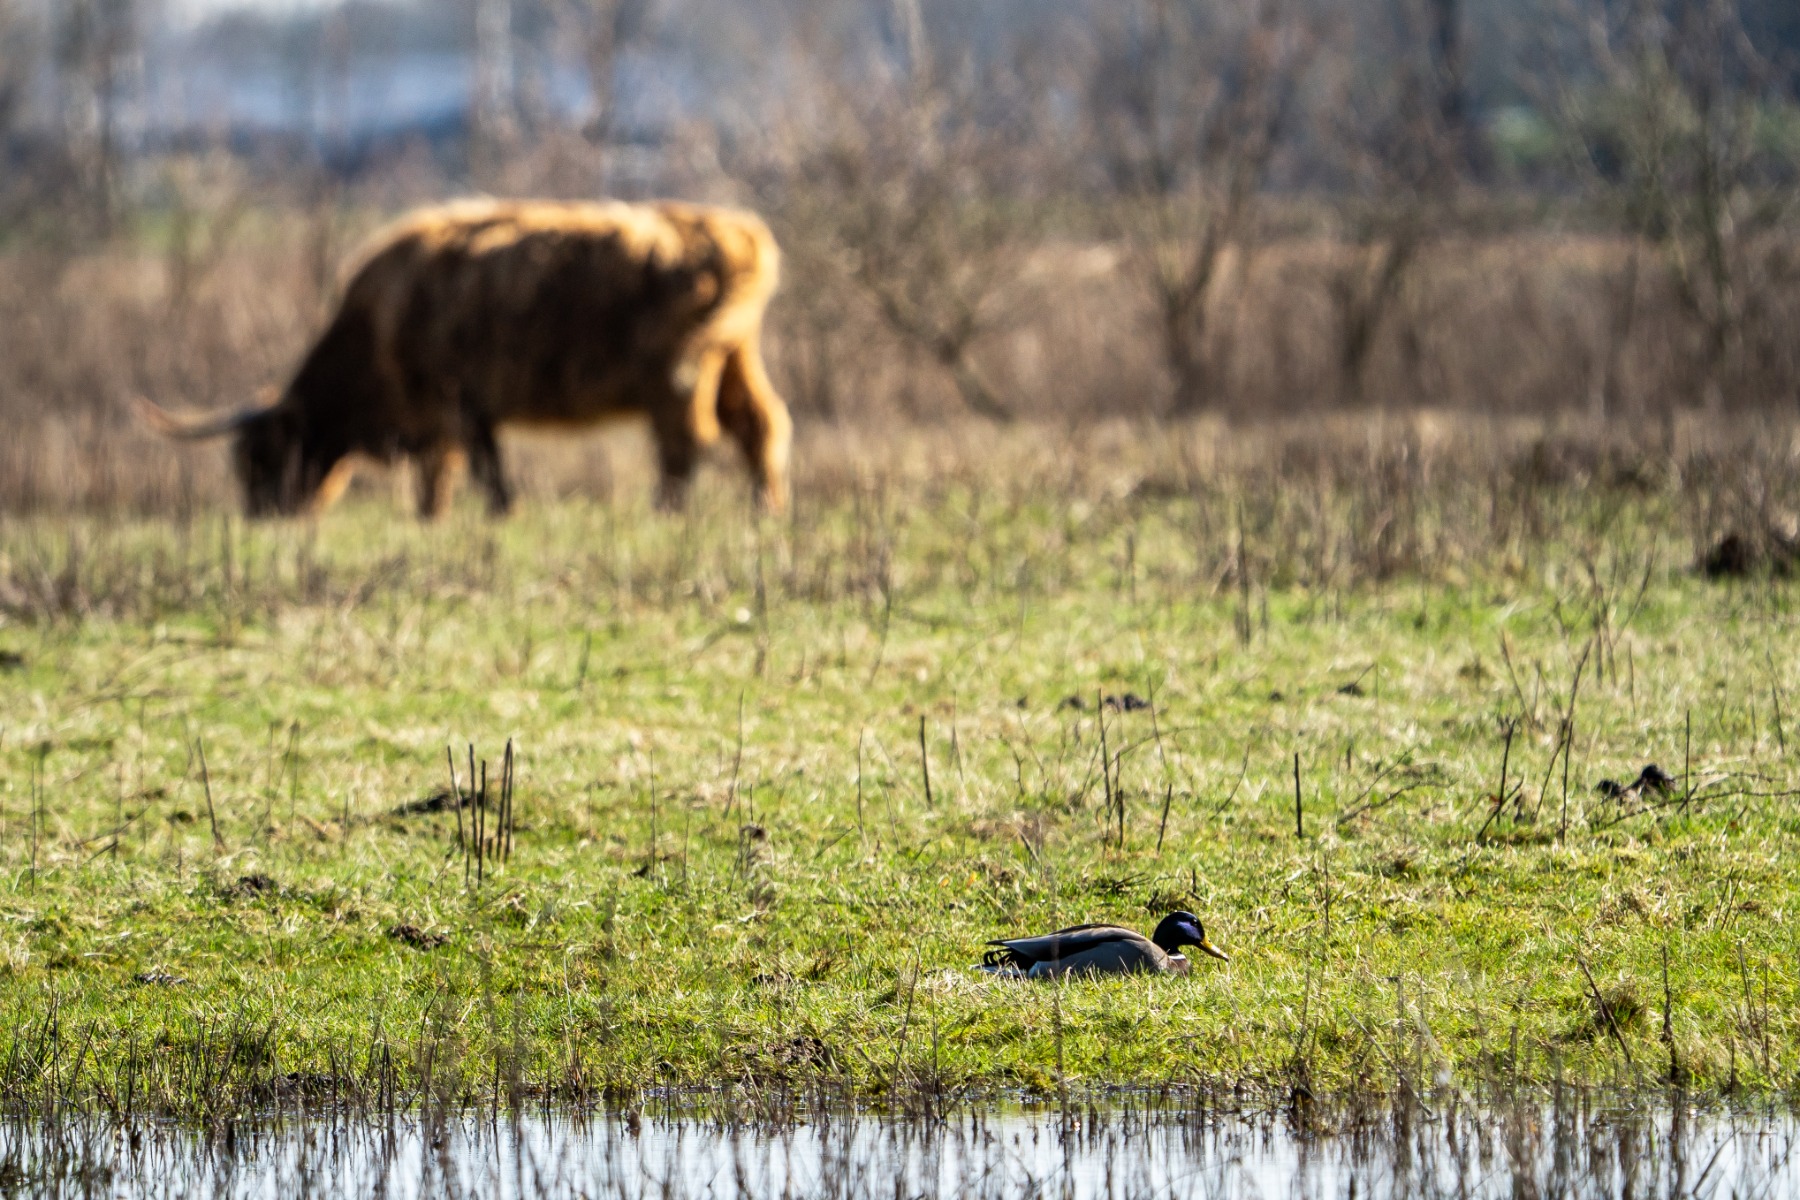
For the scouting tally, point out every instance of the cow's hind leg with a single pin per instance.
(438, 467)
(753, 413)
(487, 469)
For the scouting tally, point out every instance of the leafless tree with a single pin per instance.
(97, 47)
(494, 108)
(917, 190)
(1190, 101)
(20, 48)
(1404, 145)
(16, 66)
(602, 30)
(1673, 125)
(547, 147)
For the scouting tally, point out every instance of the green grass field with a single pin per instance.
(727, 868)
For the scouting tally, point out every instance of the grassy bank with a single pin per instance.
(728, 864)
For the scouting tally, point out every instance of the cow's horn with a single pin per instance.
(191, 428)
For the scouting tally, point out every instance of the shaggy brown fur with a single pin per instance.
(467, 317)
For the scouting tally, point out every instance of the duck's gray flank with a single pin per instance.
(1101, 949)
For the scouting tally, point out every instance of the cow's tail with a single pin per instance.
(749, 271)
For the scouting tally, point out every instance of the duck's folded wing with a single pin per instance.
(1119, 956)
(1067, 943)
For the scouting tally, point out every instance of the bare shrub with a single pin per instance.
(1404, 147)
(916, 194)
(1189, 105)
(1683, 128)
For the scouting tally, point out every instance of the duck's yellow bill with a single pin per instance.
(1213, 950)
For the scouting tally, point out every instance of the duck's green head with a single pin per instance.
(1180, 929)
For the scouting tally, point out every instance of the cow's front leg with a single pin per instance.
(677, 452)
(487, 469)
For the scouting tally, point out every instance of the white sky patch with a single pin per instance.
(188, 11)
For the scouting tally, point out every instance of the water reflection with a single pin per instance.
(1588, 1148)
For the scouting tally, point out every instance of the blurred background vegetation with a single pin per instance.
(1018, 209)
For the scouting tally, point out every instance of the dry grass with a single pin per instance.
(1316, 502)
(1338, 502)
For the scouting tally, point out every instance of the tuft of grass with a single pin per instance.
(223, 762)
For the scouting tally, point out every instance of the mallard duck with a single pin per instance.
(1102, 950)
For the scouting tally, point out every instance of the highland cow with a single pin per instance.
(471, 316)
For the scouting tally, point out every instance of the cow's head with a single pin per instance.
(269, 453)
